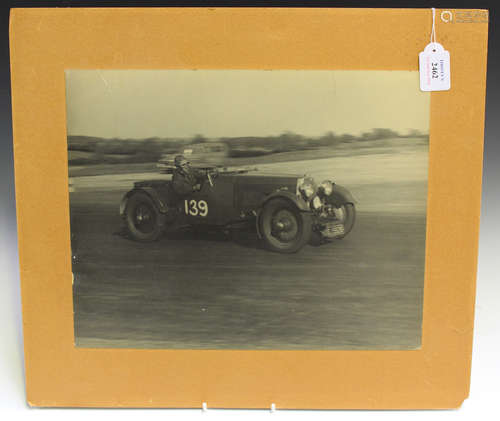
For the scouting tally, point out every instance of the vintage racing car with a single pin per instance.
(286, 210)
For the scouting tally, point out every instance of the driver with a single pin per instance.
(186, 179)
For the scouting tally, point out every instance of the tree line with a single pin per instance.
(92, 150)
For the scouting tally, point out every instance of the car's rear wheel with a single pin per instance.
(283, 227)
(143, 220)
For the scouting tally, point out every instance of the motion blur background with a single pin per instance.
(486, 366)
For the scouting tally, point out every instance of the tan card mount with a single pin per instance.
(261, 287)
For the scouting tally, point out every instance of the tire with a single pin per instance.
(143, 220)
(349, 219)
(283, 227)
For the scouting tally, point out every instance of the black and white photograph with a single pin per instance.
(247, 209)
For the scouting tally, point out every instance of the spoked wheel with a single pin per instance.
(283, 227)
(143, 218)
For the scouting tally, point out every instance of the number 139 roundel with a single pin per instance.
(196, 208)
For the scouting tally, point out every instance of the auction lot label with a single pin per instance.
(434, 63)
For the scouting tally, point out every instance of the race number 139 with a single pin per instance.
(196, 207)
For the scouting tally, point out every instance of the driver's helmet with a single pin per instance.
(180, 160)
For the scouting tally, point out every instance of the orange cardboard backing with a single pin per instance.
(45, 42)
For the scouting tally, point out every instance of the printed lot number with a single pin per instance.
(196, 208)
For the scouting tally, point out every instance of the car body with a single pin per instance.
(287, 210)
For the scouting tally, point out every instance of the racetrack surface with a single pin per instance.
(207, 290)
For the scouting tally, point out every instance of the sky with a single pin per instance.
(231, 103)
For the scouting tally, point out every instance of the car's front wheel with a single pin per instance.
(348, 217)
(143, 220)
(283, 227)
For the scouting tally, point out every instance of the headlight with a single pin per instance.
(327, 187)
(308, 190)
(307, 187)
